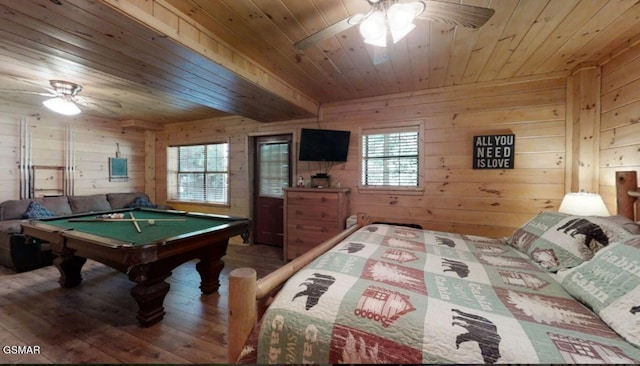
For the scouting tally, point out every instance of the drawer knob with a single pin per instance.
(298, 226)
(299, 213)
(323, 199)
(323, 214)
(299, 241)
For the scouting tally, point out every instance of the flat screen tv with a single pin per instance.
(323, 145)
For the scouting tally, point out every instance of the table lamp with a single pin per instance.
(583, 204)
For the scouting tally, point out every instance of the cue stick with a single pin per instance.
(135, 223)
(123, 220)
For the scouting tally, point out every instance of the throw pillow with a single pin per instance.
(631, 226)
(142, 202)
(559, 241)
(610, 285)
(37, 211)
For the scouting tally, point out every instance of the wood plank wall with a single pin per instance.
(456, 197)
(95, 141)
(620, 120)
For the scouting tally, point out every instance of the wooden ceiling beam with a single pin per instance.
(141, 125)
(185, 31)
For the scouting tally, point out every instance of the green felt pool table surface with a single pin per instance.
(126, 232)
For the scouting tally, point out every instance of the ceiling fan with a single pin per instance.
(64, 98)
(394, 19)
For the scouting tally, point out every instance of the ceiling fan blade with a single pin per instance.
(28, 92)
(87, 101)
(325, 33)
(456, 14)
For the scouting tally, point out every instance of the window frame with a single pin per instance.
(406, 126)
(173, 173)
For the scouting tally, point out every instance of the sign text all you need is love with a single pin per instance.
(493, 151)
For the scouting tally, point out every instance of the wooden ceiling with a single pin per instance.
(156, 79)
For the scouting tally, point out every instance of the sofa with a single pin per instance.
(20, 254)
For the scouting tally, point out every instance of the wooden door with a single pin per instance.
(272, 173)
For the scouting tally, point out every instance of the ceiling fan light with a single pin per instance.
(62, 106)
(399, 33)
(400, 17)
(400, 14)
(374, 26)
(380, 41)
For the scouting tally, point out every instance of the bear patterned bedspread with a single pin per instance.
(392, 294)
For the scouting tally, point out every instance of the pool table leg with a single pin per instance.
(69, 265)
(210, 266)
(149, 292)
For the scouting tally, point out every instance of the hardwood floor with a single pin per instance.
(95, 322)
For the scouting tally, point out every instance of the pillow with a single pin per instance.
(557, 241)
(37, 211)
(631, 226)
(141, 202)
(123, 200)
(90, 203)
(610, 285)
(59, 205)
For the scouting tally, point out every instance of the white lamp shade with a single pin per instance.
(583, 204)
(62, 106)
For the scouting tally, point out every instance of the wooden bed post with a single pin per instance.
(242, 310)
(626, 181)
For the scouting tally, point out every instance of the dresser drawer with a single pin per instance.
(312, 227)
(313, 198)
(312, 212)
(299, 242)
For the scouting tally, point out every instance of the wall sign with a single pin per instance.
(118, 171)
(493, 151)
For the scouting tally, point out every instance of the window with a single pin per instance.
(273, 166)
(198, 173)
(390, 157)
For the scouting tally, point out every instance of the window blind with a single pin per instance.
(274, 169)
(390, 158)
(198, 173)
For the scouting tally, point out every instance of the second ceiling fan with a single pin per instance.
(63, 98)
(393, 19)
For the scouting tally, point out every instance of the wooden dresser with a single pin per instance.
(311, 216)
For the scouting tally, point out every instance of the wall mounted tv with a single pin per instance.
(323, 145)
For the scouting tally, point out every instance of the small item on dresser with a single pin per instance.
(300, 182)
(320, 180)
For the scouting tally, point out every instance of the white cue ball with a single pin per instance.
(151, 222)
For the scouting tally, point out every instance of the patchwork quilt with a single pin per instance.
(391, 294)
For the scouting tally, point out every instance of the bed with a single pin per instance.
(560, 289)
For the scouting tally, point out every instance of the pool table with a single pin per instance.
(147, 255)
